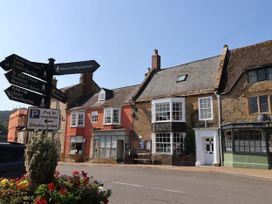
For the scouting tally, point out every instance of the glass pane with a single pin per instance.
(252, 76)
(253, 105)
(269, 73)
(261, 74)
(264, 104)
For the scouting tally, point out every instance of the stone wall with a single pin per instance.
(235, 107)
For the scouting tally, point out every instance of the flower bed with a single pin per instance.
(78, 188)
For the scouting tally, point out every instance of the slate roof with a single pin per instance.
(121, 96)
(245, 58)
(201, 79)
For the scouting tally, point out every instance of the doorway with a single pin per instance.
(120, 151)
(208, 150)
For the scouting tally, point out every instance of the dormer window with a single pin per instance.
(102, 95)
(260, 74)
(182, 77)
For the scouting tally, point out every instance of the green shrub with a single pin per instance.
(41, 157)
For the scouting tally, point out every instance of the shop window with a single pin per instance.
(249, 141)
(205, 107)
(228, 141)
(76, 144)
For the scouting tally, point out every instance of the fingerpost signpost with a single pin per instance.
(31, 82)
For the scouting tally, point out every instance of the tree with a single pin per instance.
(41, 157)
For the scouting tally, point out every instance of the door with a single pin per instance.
(208, 151)
(120, 150)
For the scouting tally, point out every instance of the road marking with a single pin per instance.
(150, 187)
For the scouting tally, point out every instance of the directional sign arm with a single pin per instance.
(76, 67)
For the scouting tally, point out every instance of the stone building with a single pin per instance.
(169, 103)
(246, 95)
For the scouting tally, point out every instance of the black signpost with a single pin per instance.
(32, 81)
(75, 67)
(24, 96)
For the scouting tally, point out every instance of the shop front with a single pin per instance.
(111, 145)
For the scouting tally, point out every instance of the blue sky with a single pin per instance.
(122, 34)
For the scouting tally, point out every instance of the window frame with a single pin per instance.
(173, 144)
(102, 95)
(199, 108)
(257, 72)
(96, 116)
(111, 111)
(259, 105)
(76, 114)
(170, 102)
(80, 139)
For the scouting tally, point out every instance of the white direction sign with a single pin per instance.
(43, 119)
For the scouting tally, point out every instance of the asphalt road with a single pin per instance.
(139, 185)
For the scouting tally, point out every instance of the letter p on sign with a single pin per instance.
(34, 113)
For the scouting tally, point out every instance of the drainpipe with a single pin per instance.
(219, 125)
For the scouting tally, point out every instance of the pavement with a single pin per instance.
(262, 174)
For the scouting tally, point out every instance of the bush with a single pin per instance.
(78, 188)
(41, 157)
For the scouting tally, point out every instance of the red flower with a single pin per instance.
(51, 186)
(62, 191)
(84, 174)
(75, 173)
(41, 201)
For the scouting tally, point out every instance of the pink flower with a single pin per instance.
(75, 173)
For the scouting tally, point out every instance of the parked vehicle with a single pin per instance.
(12, 159)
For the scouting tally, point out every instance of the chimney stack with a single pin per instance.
(86, 80)
(156, 60)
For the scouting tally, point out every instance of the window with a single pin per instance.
(77, 119)
(205, 107)
(112, 116)
(182, 77)
(178, 142)
(102, 95)
(252, 76)
(260, 74)
(162, 111)
(249, 141)
(168, 110)
(177, 110)
(163, 143)
(260, 104)
(94, 116)
(169, 143)
(253, 104)
(76, 144)
(228, 141)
